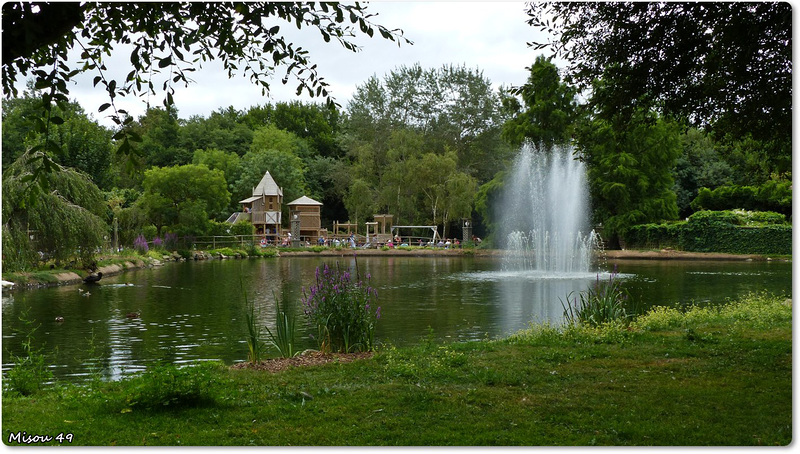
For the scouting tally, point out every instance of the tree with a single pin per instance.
(160, 138)
(64, 222)
(700, 165)
(270, 137)
(629, 171)
(358, 201)
(451, 107)
(724, 65)
(168, 40)
(223, 130)
(84, 145)
(550, 108)
(214, 159)
(187, 195)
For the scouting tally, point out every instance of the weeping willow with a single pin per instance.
(60, 220)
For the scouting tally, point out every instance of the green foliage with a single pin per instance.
(149, 232)
(756, 310)
(342, 311)
(629, 170)
(602, 303)
(216, 159)
(771, 196)
(242, 228)
(700, 165)
(735, 232)
(283, 339)
(550, 108)
(359, 201)
(450, 108)
(688, 63)
(30, 373)
(65, 221)
(254, 341)
(165, 47)
(166, 387)
(184, 195)
(224, 130)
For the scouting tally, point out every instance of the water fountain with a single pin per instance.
(546, 214)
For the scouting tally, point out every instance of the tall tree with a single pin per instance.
(223, 130)
(451, 107)
(549, 108)
(724, 65)
(184, 196)
(160, 144)
(629, 172)
(700, 165)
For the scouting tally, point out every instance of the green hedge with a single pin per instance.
(735, 232)
(771, 196)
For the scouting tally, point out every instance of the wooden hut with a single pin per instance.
(264, 207)
(307, 211)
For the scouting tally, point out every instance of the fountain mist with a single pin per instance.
(546, 213)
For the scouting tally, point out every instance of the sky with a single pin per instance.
(489, 36)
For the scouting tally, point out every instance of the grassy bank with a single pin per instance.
(704, 377)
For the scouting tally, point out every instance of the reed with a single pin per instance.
(283, 338)
(604, 302)
(254, 343)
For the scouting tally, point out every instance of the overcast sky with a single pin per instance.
(489, 36)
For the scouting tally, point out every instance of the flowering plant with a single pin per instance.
(140, 244)
(170, 241)
(342, 309)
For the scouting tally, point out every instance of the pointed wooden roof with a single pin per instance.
(267, 186)
(305, 201)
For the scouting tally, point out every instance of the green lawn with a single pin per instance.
(706, 377)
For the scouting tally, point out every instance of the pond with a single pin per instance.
(195, 310)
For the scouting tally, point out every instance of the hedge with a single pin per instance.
(771, 196)
(735, 232)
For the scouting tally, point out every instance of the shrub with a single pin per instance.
(149, 231)
(170, 241)
(342, 310)
(242, 228)
(30, 372)
(140, 245)
(29, 375)
(771, 196)
(169, 386)
(602, 303)
(735, 232)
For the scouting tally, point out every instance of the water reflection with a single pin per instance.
(195, 311)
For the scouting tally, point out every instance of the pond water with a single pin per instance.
(195, 310)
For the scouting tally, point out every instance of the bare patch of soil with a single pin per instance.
(308, 358)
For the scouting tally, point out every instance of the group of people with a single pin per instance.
(336, 242)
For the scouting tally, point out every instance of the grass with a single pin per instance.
(715, 377)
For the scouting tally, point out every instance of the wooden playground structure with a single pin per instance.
(263, 210)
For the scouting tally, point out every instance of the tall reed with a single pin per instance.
(283, 338)
(602, 303)
(254, 343)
